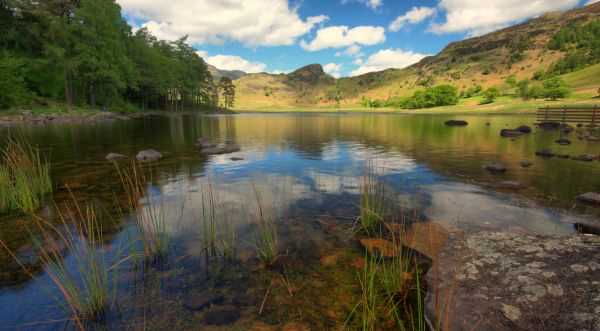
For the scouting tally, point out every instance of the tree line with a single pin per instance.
(82, 52)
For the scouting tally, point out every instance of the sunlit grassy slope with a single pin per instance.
(487, 60)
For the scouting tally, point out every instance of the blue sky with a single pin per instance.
(348, 37)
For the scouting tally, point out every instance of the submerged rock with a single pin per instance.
(525, 163)
(198, 301)
(562, 156)
(591, 197)
(524, 129)
(456, 123)
(495, 167)
(203, 143)
(148, 155)
(380, 247)
(545, 153)
(508, 281)
(115, 156)
(512, 185)
(583, 157)
(222, 315)
(510, 133)
(220, 150)
(592, 138)
(549, 125)
(426, 238)
(563, 141)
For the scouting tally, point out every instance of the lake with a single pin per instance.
(307, 171)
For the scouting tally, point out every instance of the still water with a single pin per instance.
(307, 169)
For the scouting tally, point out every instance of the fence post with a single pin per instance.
(547, 109)
(565, 114)
(594, 114)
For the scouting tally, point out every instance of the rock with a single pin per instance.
(204, 299)
(512, 185)
(495, 167)
(221, 150)
(591, 197)
(148, 155)
(296, 326)
(562, 156)
(115, 156)
(507, 281)
(25, 112)
(549, 125)
(526, 163)
(579, 125)
(510, 133)
(236, 158)
(456, 123)
(566, 129)
(524, 129)
(426, 238)
(545, 153)
(592, 138)
(563, 141)
(380, 247)
(203, 143)
(222, 315)
(591, 226)
(583, 157)
(487, 124)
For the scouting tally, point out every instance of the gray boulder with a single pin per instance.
(495, 167)
(115, 156)
(590, 197)
(148, 155)
(220, 150)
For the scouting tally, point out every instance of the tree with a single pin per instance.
(227, 91)
(556, 88)
(511, 80)
(491, 94)
(522, 90)
(13, 89)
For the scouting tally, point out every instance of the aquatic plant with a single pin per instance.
(265, 236)
(24, 177)
(148, 216)
(374, 205)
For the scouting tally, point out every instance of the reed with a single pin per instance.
(24, 177)
(374, 204)
(148, 217)
(265, 237)
(73, 255)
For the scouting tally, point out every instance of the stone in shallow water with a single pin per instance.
(512, 185)
(221, 150)
(526, 163)
(591, 197)
(545, 153)
(148, 155)
(495, 167)
(562, 156)
(508, 281)
(510, 133)
(583, 157)
(115, 156)
(426, 238)
(456, 123)
(198, 301)
(563, 141)
(380, 247)
(222, 315)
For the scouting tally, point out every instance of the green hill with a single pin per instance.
(521, 50)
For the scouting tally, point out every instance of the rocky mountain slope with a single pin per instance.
(519, 50)
(218, 73)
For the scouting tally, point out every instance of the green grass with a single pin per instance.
(265, 239)
(24, 177)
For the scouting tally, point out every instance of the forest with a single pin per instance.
(84, 53)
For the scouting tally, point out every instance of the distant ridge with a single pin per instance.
(218, 73)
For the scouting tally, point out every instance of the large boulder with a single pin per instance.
(508, 281)
(524, 129)
(590, 197)
(495, 167)
(456, 123)
(148, 155)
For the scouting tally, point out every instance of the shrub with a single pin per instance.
(491, 94)
(556, 88)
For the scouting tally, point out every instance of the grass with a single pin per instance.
(265, 236)
(149, 218)
(24, 177)
(373, 203)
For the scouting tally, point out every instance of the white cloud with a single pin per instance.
(373, 4)
(358, 62)
(388, 58)
(480, 17)
(251, 22)
(343, 36)
(413, 16)
(234, 62)
(591, 2)
(333, 69)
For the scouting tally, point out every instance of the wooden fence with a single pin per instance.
(569, 114)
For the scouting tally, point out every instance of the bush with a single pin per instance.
(440, 95)
(556, 88)
(13, 90)
(491, 94)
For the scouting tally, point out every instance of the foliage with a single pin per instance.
(511, 80)
(556, 88)
(83, 52)
(227, 91)
(491, 94)
(440, 95)
(582, 44)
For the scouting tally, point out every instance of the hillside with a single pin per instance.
(218, 73)
(519, 50)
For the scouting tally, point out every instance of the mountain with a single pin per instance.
(218, 73)
(520, 50)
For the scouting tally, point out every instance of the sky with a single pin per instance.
(348, 37)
